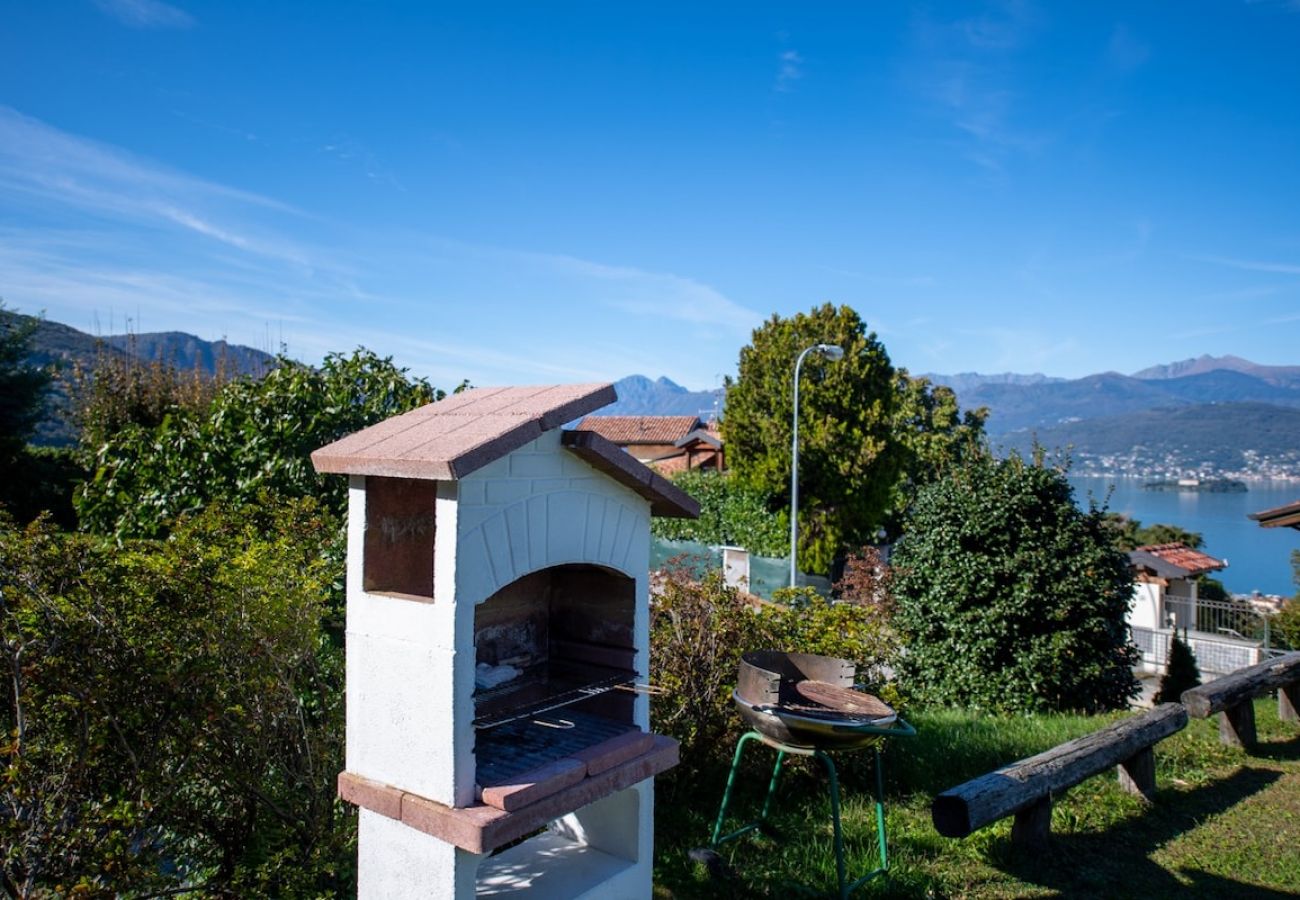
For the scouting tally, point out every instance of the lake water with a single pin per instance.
(1258, 558)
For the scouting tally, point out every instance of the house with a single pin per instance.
(669, 443)
(1164, 596)
(1287, 516)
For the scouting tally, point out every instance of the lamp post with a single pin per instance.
(831, 352)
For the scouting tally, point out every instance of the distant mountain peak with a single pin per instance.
(1199, 366)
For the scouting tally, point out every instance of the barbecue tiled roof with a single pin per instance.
(454, 437)
(450, 439)
(627, 430)
(1175, 560)
(1287, 516)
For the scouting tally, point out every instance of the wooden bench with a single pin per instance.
(1233, 696)
(1026, 788)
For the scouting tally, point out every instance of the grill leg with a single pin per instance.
(835, 823)
(771, 788)
(718, 837)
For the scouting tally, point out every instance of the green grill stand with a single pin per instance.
(899, 729)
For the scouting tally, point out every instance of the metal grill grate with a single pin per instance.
(516, 747)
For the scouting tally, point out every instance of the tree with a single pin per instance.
(1009, 597)
(935, 435)
(120, 390)
(254, 437)
(730, 513)
(866, 431)
(1181, 674)
(22, 387)
(1131, 533)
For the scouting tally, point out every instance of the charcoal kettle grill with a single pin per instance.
(805, 705)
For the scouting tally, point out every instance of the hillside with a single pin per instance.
(1223, 437)
(62, 348)
(1015, 406)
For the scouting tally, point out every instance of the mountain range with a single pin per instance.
(1223, 412)
(63, 349)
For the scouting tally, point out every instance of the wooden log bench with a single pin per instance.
(1233, 696)
(1026, 788)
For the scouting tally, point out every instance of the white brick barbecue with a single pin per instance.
(480, 533)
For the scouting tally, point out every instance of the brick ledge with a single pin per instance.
(481, 828)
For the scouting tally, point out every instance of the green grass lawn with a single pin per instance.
(1224, 824)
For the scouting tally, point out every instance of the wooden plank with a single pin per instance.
(1033, 825)
(1015, 787)
(1244, 684)
(1237, 725)
(1288, 702)
(1137, 775)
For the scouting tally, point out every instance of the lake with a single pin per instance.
(1258, 558)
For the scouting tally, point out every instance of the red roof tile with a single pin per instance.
(450, 439)
(1193, 561)
(627, 430)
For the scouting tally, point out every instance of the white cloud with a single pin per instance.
(659, 294)
(58, 170)
(1251, 265)
(146, 13)
(790, 70)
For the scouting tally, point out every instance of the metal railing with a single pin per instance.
(1224, 635)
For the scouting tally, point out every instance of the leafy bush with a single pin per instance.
(1009, 597)
(699, 628)
(254, 437)
(730, 513)
(174, 710)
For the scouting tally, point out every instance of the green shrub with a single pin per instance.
(175, 713)
(1182, 673)
(699, 628)
(254, 437)
(1009, 597)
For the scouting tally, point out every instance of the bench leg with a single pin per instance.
(1033, 825)
(1288, 702)
(1137, 775)
(1237, 725)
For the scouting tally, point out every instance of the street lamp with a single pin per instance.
(825, 351)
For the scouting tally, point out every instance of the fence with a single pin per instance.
(1224, 635)
(766, 573)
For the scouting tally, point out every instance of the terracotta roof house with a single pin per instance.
(1287, 516)
(1165, 597)
(669, 443)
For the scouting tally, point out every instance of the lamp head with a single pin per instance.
(833, 352)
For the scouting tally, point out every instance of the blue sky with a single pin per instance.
(527, 193)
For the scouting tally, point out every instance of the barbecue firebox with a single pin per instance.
(497, 649)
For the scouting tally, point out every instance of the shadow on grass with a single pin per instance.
(1116, 861)
(1278, 751)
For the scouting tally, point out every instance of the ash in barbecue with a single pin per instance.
(488, 676)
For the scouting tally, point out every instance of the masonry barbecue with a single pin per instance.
(497, 649)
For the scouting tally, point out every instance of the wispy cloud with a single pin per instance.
(1252, 265)
(146, 13)
(659, 294)
(104, 232)
(966, 70)
(789, 71)
(55, 170)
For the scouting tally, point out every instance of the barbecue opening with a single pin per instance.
(551, 651)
